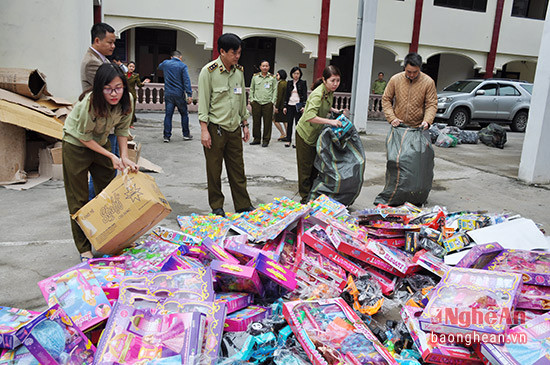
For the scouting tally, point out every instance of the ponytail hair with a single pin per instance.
(329, 71)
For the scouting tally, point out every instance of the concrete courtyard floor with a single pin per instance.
(35, 236)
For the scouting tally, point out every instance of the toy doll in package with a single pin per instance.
(331, 333)
(11, 319)
(138, 335)
(53, 338)
(473, 301)
(79, 294)
(528, 344)
(108, 272)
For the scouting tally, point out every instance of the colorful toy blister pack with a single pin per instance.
(141, 335)
(331, 332)
(212, 226)
(79, 294)
(488, 297)
(52, 338)
(11, 319)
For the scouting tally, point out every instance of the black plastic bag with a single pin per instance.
(341, 165)
(409, 167)
(493, 135)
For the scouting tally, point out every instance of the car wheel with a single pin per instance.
(519, 124)
(459, 118)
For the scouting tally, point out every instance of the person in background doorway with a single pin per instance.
(176, 85)
(133, 81)
(263, 94)
(86, 148)
(310, 125)
(295, 100)
(224, 126)
(279, 118)
(378, 87)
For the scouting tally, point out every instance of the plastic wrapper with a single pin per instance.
(446, 140)
(468, 137)
(363, 294)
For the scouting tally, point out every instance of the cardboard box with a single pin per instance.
(12, 152)
(127, 208)
(31, 83)
(57, 155)
(134, 151)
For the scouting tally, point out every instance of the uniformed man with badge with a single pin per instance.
(223, 120)
(263, 94)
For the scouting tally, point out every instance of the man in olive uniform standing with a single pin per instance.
(263, 94)
(223, 119)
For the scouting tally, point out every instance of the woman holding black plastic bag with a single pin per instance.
(310, 125)
(295, 100)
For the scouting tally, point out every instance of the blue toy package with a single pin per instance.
(346, 126)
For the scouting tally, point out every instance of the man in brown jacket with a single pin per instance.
(414, 93)
(103, 45)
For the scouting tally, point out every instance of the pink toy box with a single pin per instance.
(79, 293)
(534, 297)
(331, 332)
(235, 301)
(470, 301)
(358, 250)
(525, 345)
(244, 252)
(11, 319)
(198, 280)
(239, 321)
(141, 335)
(108, 272)
(432, 350)
(234, 277)
(52, 338)
(275, 272)
(317, 238)
(177, 237)
(533, 265)
(400, 260)
(217, 252)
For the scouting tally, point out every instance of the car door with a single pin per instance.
(508, 97)
(486, 106)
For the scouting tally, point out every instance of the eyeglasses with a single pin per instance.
(109, 91)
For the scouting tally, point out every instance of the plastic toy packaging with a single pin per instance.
(363, 294)
(202, 226)
(147, 256)
(346, 126)
(52, 338)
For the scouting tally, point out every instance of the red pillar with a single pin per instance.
(218, 26)
(321, 60)
(489, 67)
(416, 26)
(97, 14)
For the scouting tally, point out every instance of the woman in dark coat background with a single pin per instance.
(295, 101)
(279, 119)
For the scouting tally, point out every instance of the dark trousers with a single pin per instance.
(226, 147)
(171, 102)
(114, 149)
(260, 112)
(77, 162)
(293, 116)
(305, 156)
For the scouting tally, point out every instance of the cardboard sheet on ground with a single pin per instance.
(147, 166)
(519, 233)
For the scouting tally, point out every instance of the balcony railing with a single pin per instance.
(151, 97)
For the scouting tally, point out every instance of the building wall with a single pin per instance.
(50, 36)
(194, 56)
(518, 36)
(453, 67)
(288, 54)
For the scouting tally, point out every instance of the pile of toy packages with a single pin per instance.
(296, 284)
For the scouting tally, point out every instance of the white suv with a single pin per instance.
(484, 101)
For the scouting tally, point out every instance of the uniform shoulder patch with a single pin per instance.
(239, 67)
(212, 67)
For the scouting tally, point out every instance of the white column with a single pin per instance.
(50, 36)
(534, 167)
(364, 49)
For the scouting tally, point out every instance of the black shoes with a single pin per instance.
(265, 144)
(249, 209)
(219, 211)
(254, 143)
